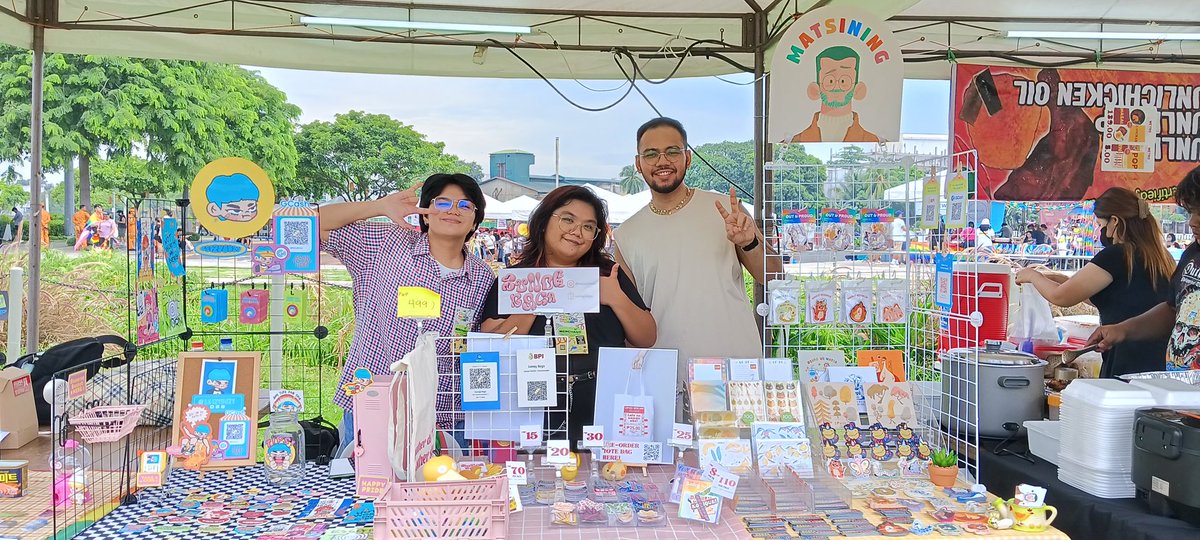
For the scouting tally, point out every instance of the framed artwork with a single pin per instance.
(215, 421)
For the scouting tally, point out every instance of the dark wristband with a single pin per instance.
(750, 247)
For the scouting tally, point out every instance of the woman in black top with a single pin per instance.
(568, 229)
(1128, 277)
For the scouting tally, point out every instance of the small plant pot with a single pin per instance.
(943, 476)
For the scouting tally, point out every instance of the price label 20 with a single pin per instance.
(531, 435)
(517, 472)
(558, 452)
(593, 436)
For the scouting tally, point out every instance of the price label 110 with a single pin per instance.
(531, 435)
(593, 436)
(517, 472)
(724, 482)
(558, 452)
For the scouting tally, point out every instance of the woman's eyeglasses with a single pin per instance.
(568, 223)
(443, 204)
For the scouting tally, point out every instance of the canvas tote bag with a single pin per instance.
(413, 392)
(634, 413)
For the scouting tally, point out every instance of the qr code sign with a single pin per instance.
(480, 378)
(651, 452)
(536, 391)
(235, 432)
(296, 234)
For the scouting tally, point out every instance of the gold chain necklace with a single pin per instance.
(685, 200)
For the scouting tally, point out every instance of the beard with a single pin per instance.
(831, 100)
(669, 188)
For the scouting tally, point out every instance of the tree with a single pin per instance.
(472, 169)
(735, 160)
(362, 156)
(631, 180)
(12, 194)
(857, 177)
(175, 115)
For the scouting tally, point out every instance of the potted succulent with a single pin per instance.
(943, 468)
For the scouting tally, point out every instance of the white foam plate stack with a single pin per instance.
(1096, 448)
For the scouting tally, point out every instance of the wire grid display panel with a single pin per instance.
(147, 380)
(949, 391)
(496, 434)
(807, 259)
(156, 305)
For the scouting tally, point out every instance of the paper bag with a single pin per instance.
(412, 422)
(634, 413)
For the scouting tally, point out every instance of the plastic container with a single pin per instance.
(1043, 439)
(465, 509)
(107, 423)
(1108, 393)
(69, 464)
(283, 450)
(1170, 392)
(1053, 404)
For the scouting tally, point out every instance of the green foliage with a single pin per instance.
(12, 195)
(735, 160)
(361, 156)
(944, 458)
(178, 115)
(860, 180)
(631, 180)
(99, 196)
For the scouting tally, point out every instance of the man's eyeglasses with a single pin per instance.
(568, 223)
(443, 204)
(672, 153)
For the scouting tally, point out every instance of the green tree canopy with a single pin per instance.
(361, 156)
(12, 195)
(631, 180)
(174, 115)
(735, 160)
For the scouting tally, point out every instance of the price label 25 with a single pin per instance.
(418, 303)
(593, 436)
(682, 433)
(517, 472)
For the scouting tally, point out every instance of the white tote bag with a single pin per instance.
(634, 413)
(413, 392)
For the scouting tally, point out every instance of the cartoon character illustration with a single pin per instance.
(359, 383)
(830, 451)
(264, 260)
(906, 433)
(280, 455)
(836, 87)
(217, 382)
(232, 197)
(904, 451)
(837, 469)
(828, 434)
(173, 312)
(854, 449)
(881, 452)
(879, 435)
(923, 451)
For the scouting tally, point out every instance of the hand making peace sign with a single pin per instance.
(739, 227)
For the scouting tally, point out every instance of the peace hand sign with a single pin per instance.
(739, 227)
(402, 204)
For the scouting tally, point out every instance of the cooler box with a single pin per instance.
(980, 297)
(1166, 456)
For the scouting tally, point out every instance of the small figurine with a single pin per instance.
(837, 469)
(830, 450)
(852, 434)
(881, 453)
(828, 434)
(853, 449)
(879, 435)
(905, 432)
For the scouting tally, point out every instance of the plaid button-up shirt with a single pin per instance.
(380, 258)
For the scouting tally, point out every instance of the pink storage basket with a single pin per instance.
(108, 423)
(474, 509)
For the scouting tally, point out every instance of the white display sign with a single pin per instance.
(549, 290)
(593, 437)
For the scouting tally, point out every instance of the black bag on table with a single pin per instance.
(76, 353)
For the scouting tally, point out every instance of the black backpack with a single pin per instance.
(72, 354)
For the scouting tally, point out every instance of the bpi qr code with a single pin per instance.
(536, 391)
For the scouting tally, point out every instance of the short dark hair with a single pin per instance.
(534, 254)
(1187, 193)
(659, 122)
(82, 206)
(970, 223)
(436, 184)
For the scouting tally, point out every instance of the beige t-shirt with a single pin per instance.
(688, 272)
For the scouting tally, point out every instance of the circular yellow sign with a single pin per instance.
(523, 229)
(232, 197)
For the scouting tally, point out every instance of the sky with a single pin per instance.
(475, 117)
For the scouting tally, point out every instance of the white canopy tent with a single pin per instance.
(911, 191)
(496, 209)
(521, 207)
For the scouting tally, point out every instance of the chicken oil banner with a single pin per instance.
(1069, 134)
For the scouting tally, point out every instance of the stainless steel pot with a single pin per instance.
(1003, 386)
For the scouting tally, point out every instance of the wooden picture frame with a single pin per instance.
(223, 382)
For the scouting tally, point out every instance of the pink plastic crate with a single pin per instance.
(463, 509)
(108, 423)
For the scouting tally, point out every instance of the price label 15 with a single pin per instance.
(531, 435)
(724, 482)
(558, 452)
(418, 303)
(593, 436)
(517, 472)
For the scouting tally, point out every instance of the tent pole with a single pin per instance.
(35, 190)
(760, 86)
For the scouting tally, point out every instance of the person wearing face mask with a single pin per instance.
(569, 229)
(382, 256)
(1127, 278)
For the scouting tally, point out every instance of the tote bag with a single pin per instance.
(413, 393)
(634, 413)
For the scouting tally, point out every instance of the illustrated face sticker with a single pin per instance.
(233, 197)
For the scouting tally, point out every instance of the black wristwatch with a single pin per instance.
(750, 247)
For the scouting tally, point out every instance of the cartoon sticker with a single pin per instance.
(232, 197)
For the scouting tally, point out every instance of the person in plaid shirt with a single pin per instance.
(382, 256)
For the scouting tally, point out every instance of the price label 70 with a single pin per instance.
(531, 435)
(558, 452)
(593, 436)
(516, 471)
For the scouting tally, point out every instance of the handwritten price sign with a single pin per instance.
(531, 435)
(558, 452)
(517, 473)
(724, 482)
(418, 303)
(593, 436)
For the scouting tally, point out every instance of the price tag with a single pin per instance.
(558, 452)
(681, 435)
(531, 435)
(517, 472)
(724, 482)
(418, 303)
(593, 436)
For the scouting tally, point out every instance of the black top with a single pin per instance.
(1126, 298)
(1038, 236)
(603, 329)
(1185, 298)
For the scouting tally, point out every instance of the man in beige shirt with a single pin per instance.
(686, 251)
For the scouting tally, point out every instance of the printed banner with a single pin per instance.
(549, 290)
(1070, 134)
(836, 76)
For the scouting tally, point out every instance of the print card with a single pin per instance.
(833, 402)
(733, 454)
(890, 404)
(813, 364)
(778, 369)
(746, 400)
(775, 456)
(889, 363)
(783, 401)
(709, 396)
(859, 377)
(480, 381)
(535, 378)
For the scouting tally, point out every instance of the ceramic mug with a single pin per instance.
(1031, 519)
